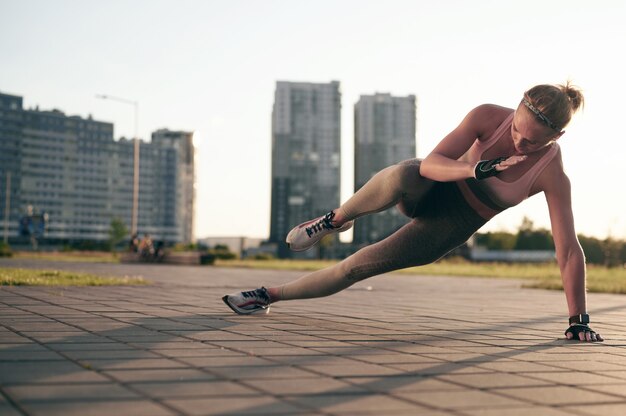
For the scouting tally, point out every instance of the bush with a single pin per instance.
(5, 250)
(207, 259)
(263, 256)
(223, 254)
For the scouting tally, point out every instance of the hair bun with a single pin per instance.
(574, 94)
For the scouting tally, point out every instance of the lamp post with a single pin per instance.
(7, 208)
(135, 104)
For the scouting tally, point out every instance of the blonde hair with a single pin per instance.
(557, 102)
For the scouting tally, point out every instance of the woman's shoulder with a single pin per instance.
(493, 112)
(553, 176)
(489, 117)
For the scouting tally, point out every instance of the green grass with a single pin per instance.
(540, 276)
(74, 257)
(26, 277)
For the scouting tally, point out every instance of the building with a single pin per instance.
(306, 155)
(11, 131)
(384, 134)
(71, 169)
(173, 153)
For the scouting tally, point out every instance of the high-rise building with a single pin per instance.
(306, 155)
(385, 129)
(71, 169)
(11, 131)
(174, 152)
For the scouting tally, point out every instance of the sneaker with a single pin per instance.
(307, 234)
(246, 303)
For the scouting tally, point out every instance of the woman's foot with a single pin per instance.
(246, 303)
(307, 234)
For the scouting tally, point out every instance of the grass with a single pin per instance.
(71, 256)
(27, 277)
(540, 276)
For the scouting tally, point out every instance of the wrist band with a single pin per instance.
(487, 168)
(582, 318)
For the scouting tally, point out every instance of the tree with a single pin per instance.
(529, 238)
(593, 249)
(117, 232)
(499, 240)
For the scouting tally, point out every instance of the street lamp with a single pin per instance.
(135, 104)
(7, 208)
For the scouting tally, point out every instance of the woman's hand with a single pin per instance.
(582, 332)
(487, 168)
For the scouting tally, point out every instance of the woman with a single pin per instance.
(493, 160)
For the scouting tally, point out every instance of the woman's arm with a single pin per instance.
(569, 254)
(442, 163)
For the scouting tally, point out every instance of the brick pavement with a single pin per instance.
(395, 344)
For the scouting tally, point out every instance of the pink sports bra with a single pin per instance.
(493, 195)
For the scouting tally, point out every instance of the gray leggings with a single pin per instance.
(441, 221)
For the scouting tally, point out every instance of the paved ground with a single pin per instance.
(394, 344)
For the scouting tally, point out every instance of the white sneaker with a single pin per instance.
(307, 234)
(246, 303)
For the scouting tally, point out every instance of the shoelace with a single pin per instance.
(257, 293)
(324, 223)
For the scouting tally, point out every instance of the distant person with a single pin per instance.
(493, 160)
(133, 244)
(159, 250)
(146, 247)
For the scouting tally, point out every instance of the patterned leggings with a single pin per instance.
(441, 221)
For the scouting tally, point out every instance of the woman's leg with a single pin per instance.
(400, 185)
(397, 184)
(444, 222)
(422, 241)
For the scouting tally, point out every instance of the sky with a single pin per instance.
(211, 67)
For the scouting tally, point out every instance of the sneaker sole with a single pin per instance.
(239, 311)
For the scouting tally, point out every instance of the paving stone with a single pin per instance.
(460, 399)
(616, 409)
(260, 372)
(557, 395)
(127, 354)
(297, 386)
(175, 389)
(589, 366)
(394, 384)
(94, 346)
(518, 367)
(492, 380)
(18, 354)
(170, 374)
(578, 378)
(134, 363)
(520, 411)
(396, 358)
(7, 410)
(614, 389)
(256, 405)
(68, 392)
(45, 372)
(424, 369)
(22, 347)
(226, 361)
(358, 369)
(92, 408)
(356, 403)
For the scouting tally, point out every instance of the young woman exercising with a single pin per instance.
(493, 160)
